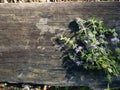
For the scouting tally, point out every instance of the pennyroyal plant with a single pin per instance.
(94, 47)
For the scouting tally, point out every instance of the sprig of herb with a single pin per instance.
(94, 47)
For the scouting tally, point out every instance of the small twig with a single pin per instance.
(45, 87)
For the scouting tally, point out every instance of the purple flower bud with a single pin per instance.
(74, 58)
(78, 63)
(115, 39)
(76, 50)
(94, 46)
(104, 49)
(80, 47)
(101, 35)
(83, 42)
(89, 60)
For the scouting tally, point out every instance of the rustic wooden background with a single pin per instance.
(31, 1)
(28, 49)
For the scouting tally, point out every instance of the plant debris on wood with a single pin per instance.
(19, 86)
(22, 86)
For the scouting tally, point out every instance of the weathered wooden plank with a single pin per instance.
(28, 51)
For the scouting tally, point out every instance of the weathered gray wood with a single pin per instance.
(28, 52)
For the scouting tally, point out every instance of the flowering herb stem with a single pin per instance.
(93, 49)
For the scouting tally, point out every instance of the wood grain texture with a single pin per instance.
(28, 51)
